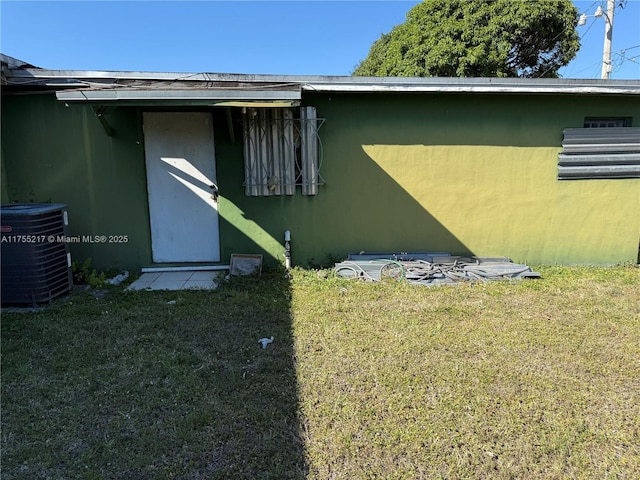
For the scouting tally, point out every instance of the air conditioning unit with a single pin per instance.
(36, 263)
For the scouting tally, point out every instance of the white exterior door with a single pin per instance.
(181, 170)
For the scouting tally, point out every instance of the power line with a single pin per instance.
(588, 28)
(621, 57)
(624, 58)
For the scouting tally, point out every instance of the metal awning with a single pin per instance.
(288, 97)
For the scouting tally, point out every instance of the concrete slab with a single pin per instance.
(175, 276)
(204, 276)
(182, 280)
(149, 277)
(139, 285)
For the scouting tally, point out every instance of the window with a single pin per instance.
(281, 152)
(607, 122)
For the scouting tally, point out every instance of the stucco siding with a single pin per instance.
(471, 174)
(54, 153)
(464, 173)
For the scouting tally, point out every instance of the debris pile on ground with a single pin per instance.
(118, 279)
(430, 268)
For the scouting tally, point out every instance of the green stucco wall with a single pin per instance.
(4, 185)
(472, 174)
(469, 174)
(59, 154)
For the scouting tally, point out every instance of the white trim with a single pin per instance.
(200, 268)
(472, 88)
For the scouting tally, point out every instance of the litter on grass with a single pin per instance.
(265, 341)
(430, 268)
(118, 279)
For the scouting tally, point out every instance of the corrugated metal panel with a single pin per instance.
(271, 137)
(288, 160)
(269, 152)
(592, 153)
(251, 173)
(309, 154)
(599, 171)
(607, 140)
(599, 159)
(445, 269)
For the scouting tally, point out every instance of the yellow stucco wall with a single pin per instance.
(506, 201)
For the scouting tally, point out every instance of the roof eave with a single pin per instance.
(82, 78)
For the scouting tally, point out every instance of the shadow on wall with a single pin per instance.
(370, 210)
(241, 233)
(376, 214)
(365, 207)
(362, 207)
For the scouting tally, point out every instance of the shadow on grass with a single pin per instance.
(152, 385)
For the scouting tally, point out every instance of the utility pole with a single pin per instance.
(608, 33)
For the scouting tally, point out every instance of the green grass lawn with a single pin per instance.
(532, 379)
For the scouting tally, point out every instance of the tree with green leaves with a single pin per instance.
(477, 38)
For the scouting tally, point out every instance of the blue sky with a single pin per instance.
(280, 37)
